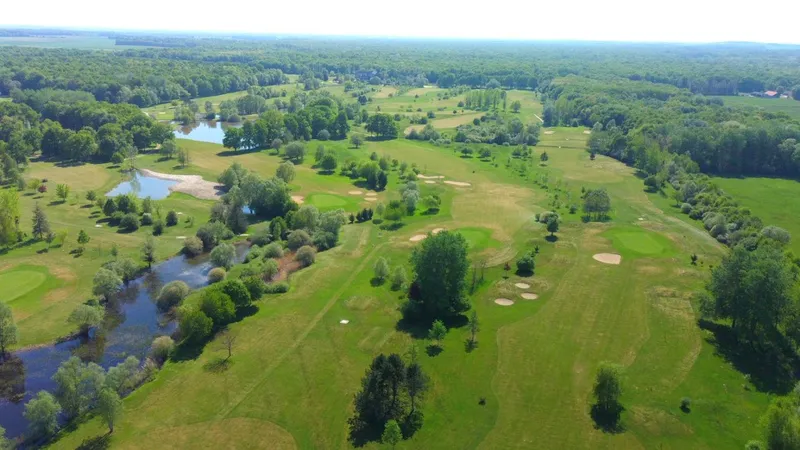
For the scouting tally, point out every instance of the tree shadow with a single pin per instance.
(187, 351)
(217, 365)
(96, 443)
(608, 421)
(375, 281)
(393, 226)
(360, 436)
(770, 367)
(470, 345)
(226, 153)
(246, 311)
(433, 350)
(551, 238)
(524, 273)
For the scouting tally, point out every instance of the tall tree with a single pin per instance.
(41, 226)
(440, 267)
(608, 388)
(391, 433)
(42, 414)
(9, 216)
(109, 407)
(8, 329)
(149, 251)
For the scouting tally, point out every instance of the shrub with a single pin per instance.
(172, 219)
(195, 326)
(129, 222)
(218, 306)
(526, 264)
(216, 275)
(212, 233)
(192, 246)
(147, 219)
(273, 250)
(172, 294)
(158, 227)
(237, 291)
(297, 239)
(161, 348)
(306, 255)
(686, 404)
(686, 208)
(261, 237)
(255, 286)
(269, 269)
(277, 288)
(255, 252)
(223, 255)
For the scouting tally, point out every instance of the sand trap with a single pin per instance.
(193, 185)
(457, 183)
(430, 182)
(418, 237)
(354, 192)
(504, 302)
(179, 213)
(432, 177)
(523, 285)
(371, 194)
(641, 218)
(344, 321)
(587, 132)
(180, 237)
(371, 199)
(244, 235)
(528, 296)
(437, 230)
(298, 199)
(608, 258)
(98, 226)
(549, 132)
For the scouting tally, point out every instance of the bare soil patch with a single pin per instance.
(371, 194)
(418, 237)
(608, 258)
(193, 185)
(299, 199)
(457, 183)
(549, 132)
(504, 302)
(587, 132)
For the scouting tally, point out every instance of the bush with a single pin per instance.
(273, 250)
(269, 269)
(147, 219)
(277, 288)
(255, 286)
(223, 255)
(306, 255)
(161, 348)
(255, 252)
(261, 237)
(323, 135)
(237, 291)
(297, 239)
(526, 264)
(686, 208)
(129, 222)
(172, 219)
(158, 228)
(212, 233)
(218, 307)
(216, 275)
(172, 294)
(195, 326)
(192, 246)
(686, 404)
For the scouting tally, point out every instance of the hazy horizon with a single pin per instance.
(684, 21)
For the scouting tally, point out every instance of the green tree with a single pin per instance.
(109, 207)
(285, 171)
(86, 317)
(42, 415)
(381, 269)
(527, 263)
(237, 291)
(357, 140)
(440, 267)
(391, 433)
(474, 327)
(328, 162)
(195, 326)
(41, 226)
(62, 191)
(9, 216)
(106, 283)
(5, 443)
(172, 294)
(83, 238)
(295, 152)
(399, 278)
(516, 105)
(218, 306)
(223, 255)
(781, 425)
(168, 149)
(608, 388)
(597, 204)
(109, 408)
(149, 251)
(8, 329)
(78, 385)
(234, 138)
(552, 225)
(437, 332)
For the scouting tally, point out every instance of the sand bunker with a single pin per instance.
(528, 296)
(344, 321)
(371, 199)
(180, 237)
(587, 132)
(432, 177)
(523, 285)
(418, 237)
(504, 302)
(608, 258)
(457, 183)
(193, 185)
(437, 230)
(98, 226)
(549, 132)
(430, 182)
(298, 199)
(371, 194)
(354, 192)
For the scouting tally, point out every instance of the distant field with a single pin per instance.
(776, 201)
(82, 42)
(789, 106)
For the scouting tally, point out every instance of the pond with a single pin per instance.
(132, 322)
(143, 186)
(204, 131)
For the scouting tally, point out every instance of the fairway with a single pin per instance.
(773, 105)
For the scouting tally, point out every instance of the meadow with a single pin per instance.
(773, 105)
(295, 367)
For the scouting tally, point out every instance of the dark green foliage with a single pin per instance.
(526, 264)
(237, 291)
(596, 204)
(195, 326)
(172, 294)
(218, 306)
(129, 222)
(440, 266)
(212, 233)
(172, 218)
(255, 286)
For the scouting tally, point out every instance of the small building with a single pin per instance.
(771, 94)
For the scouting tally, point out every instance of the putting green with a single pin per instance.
(327, 201)
(22, 280)
(478, 239)
(639, 242)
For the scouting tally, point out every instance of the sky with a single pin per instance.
(609, 20)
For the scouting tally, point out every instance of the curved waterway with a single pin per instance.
(132, 322)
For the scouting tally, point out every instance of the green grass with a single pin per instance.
(773, 105)
(77, 42)
(776, 201)
(295, 368)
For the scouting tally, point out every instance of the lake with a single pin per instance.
(132, 322)
(143, 186)
(204, 131)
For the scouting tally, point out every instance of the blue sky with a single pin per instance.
(614, 20)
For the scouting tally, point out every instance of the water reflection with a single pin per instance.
(205, 131)
(143, 186)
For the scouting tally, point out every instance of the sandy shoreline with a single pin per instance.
(193, 185)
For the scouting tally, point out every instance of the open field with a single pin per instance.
(774, 200)
(295, 367)
(77, 42)
(773, 105)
